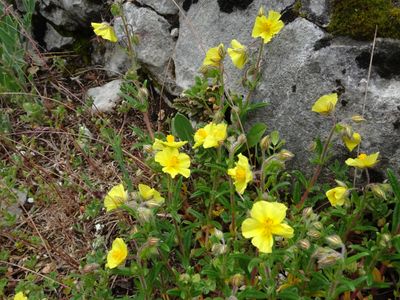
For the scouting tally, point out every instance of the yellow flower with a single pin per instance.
(105, 31)
(363, 161)
(115, 197)
(214, 56)
(325, 104)
(212, 135)
(151, 196)
(337, 195)
(20, 296)
(267, 28)
(173, 162)
(170, 142)
(117, 254)
(353, 142)
(238, 54)
(265, 222)
(241, 174)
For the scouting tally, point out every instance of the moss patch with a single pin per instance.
(358, 18)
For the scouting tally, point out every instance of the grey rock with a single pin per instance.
(54, 40)
(156, 44)
(163, 7)
(13, 207)
(298, 74)
(105, 97)
(317, 11)
(69, 14)
(205, 26)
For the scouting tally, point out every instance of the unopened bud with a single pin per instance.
(148, 148)
(143, 94)
(357, 119)
(260, 11)
(378, 191)
(237, 280)
(265, 143)
(385, 240)
(334, 241)
(218, 249)
(304, 244)
(241, 139)
(341, 183)
(329, 259)
(307, 212)
(185, 278)
(218, 234)
(315, 234)
(144, 214)
(285, 155)
(317, 225)
(153, 241)
(221, 51)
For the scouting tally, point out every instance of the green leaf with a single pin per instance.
(356, 257)
(274, 137)
(182, 128)
(253, 263)
(396, 190)
(255, 134)
(249, 293)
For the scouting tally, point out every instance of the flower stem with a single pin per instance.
(319, 167)
(177, 229)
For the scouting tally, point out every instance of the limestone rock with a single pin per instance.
(205, 26)
(156, 44)
(105, 97)
(70, 14)
(54, 40)
(317, 11)
(163, 7)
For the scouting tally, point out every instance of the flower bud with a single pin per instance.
(218, 249)
(241, 139)
(377, 190)
(265, 143)
(144, 214)
(285, 155)
(143, 94)
(153, 241)
(385, 240)
(315, 234)
(185, 278)
(304, 244)
(357, 119)
(221, 51)
(260, 11)
(317, 225)
(307, 212)
(237, 280)
(218, 234)
(334, 241)
(148, 148)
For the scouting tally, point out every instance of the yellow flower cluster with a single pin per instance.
(264, 27)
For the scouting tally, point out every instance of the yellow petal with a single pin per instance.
(353, 142)
(282, 230)
(105, 31)
(115, 197)
(20, 296)
(117, 254)
(325, 104)
(337, 195)
(145, 191)
(251, 228)
(264, 243)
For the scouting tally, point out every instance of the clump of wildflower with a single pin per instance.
(265, 222)
(115, 197)
(353, 141)
(363, 161)
(238, 54)
(337, 195)
(214, 56)
(105, 31)
(117, 254)
(267, 28)
(151, 196)
(173, 162)
(212, 135)
(241, 174)
(325, 104)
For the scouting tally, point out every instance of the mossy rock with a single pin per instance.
(358, 18)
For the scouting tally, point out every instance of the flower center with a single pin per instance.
(173, 162)
(240, 174)
(202, 133)
(267, 27)
(362, 156)
(170, 138)
(118, 254)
